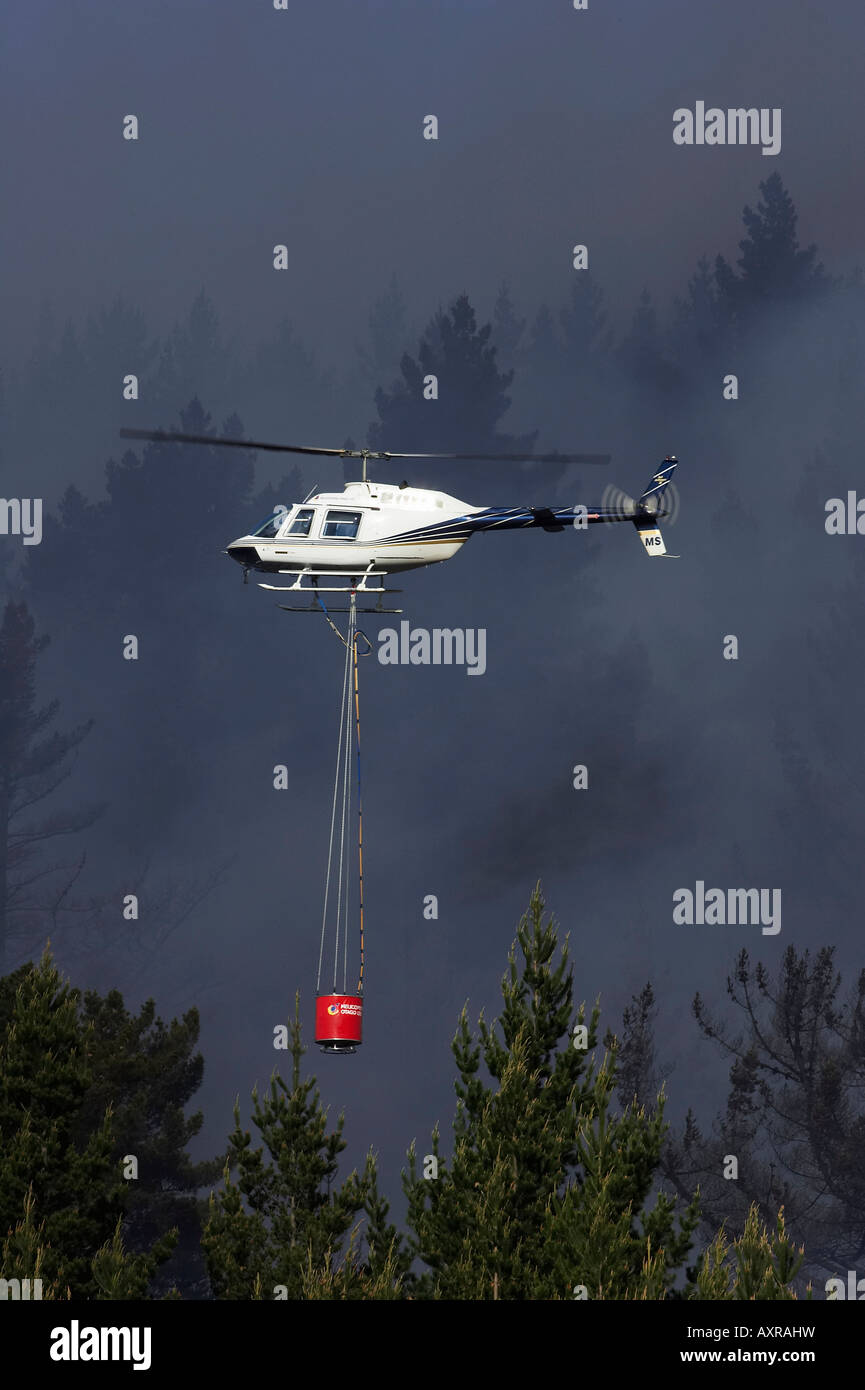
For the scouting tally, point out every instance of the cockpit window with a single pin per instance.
(302, 522)
(341, 524)
(269, 528)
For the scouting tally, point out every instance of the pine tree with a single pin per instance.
(147, 1072)
(206, 486)
(642, 352)
(379, 1275)
(22, 1255)
(195, 361)
(637, 1073)
(544, 344)
(54, 1169)
(508, 328)
(117, 1272)
(80, 370)
(586, 338)
(40, 895)
(539, 1166)
(775, 270)
(117, 334)
(567, 368)
(604, 1238)
(701, 330)
(34, 762)
(285, 392)
(388, 331)
(277, 1229)
(793, 1117)
(756, 1266)
(472, 397)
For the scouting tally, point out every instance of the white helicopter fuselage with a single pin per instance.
(375, 527)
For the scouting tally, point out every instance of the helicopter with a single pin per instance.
(371, 530)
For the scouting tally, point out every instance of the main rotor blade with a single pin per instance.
(173, 437)
(507, 458)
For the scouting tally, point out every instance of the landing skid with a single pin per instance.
(358, 585)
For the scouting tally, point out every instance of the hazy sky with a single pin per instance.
(305, 127)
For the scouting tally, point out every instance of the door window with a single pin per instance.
(300, 524)
(341, 524)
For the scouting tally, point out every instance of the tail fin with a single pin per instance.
(650, 500)
(649, 507)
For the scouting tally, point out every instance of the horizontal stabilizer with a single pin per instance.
(650, 535)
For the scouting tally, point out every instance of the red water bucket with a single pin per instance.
(338, 1020)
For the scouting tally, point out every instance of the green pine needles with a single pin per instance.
(548, 1187)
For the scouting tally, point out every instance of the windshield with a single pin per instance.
(270, 526)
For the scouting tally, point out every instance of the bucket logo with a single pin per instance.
(333, 1009)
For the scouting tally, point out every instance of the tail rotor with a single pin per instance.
(617, 505)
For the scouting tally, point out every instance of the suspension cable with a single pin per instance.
(342, 791)
(346, 695)
(344, 869)
(359, 811)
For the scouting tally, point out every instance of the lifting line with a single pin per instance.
(342, 791)
(359, 801)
